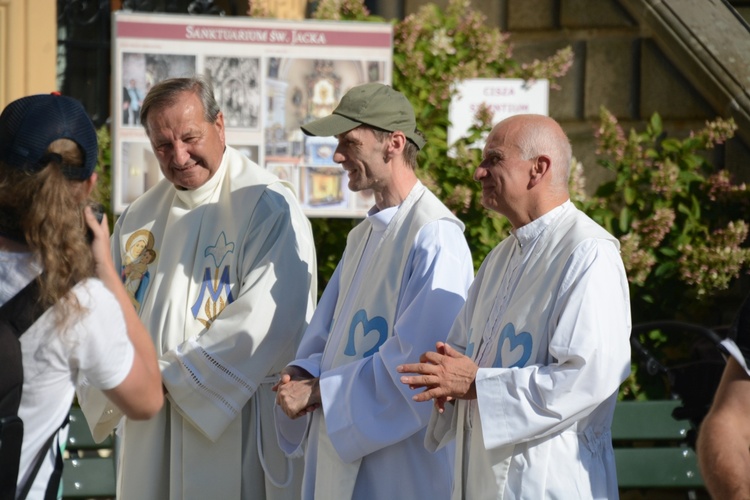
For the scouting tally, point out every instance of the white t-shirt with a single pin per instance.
(95, 345)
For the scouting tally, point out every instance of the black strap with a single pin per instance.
(53, 486)
(20, 312)
(54, 480)
(20, 318)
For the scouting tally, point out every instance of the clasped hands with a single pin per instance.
(445, 374)
(297, 392)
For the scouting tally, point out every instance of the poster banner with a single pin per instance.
(503, 96)
(269, 76)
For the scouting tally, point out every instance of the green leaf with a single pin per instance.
(655, 123)
(670, 145)
(624, 219)
(630, 195)
(668, 252)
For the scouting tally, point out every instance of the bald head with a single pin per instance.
(537, 135)
(525, 169)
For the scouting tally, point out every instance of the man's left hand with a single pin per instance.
(445, 374)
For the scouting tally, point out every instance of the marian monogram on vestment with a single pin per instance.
(215, 292)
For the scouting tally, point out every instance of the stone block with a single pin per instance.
(565, 103)
(663, 89)
(579, 14)
(531, 15)
(610, 78)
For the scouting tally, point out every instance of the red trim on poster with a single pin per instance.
(252, 35)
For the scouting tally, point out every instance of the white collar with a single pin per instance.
(531, 231)
(196, 197)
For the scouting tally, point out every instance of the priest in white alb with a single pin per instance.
(231, 287)
(528, 378)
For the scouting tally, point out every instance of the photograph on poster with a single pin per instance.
(139, 169)
(235, 81)
(324, 187)
(301, 90)
(286, 172)
(139, 73)
(249, 150)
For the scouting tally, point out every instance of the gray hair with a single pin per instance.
(411, 150)
(167, 92)
(535, 141)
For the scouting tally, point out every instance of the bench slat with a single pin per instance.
(650, 447)
(89, 477)
(87, 474)
(648, 420)
(657, 468)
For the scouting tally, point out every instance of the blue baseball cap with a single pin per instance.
(30, 124)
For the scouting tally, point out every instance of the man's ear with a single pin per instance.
(542, 168)
(219, 124)
(397, 142)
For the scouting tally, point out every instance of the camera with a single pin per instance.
(98, 210)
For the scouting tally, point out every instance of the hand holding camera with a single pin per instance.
(98, 234)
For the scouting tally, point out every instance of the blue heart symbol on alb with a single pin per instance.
(377, 324)
(522, 340)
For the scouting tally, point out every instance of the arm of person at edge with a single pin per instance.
(139, 396)
(433, 290)
(724, 437)
(589, 346)
(251, 336)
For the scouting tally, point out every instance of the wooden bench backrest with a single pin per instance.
(650, 449)
(89, 472)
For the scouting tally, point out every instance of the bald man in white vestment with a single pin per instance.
(528, 378)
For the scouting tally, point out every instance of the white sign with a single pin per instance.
(269, 77)
(504, 97)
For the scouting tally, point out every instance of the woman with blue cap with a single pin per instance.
(82, 328)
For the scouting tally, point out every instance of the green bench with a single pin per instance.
(650, 452)
(89, 469)
(650, 447)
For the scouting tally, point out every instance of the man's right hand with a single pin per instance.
(297, 392)
(290, 373)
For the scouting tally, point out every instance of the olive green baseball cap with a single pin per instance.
(373, 104)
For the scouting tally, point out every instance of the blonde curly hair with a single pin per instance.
(48, 210)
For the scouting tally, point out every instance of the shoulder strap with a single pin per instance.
(20, 312)
(24, 308)
(54, 481)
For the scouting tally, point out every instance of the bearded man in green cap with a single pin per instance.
(396, 291)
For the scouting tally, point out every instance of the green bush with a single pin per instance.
(103, 190)
(681, 226)
(681, 223)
